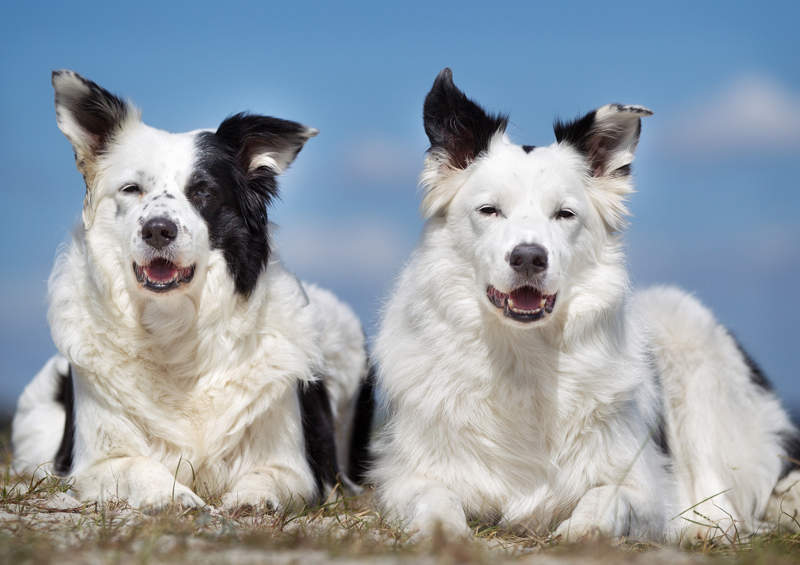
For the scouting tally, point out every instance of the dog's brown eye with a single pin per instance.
(131, 189)
(565, 214)
(488, 210)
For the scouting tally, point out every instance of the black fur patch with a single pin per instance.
(359, 455)
(319, 433)
(232, 197)
(66, 397)
(659, 434)
(98, 112)
(456, 124)
(528, 148)
(791, 444)
(757, 376)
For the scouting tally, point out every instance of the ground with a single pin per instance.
(41, 523)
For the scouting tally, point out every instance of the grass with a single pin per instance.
(343, 528)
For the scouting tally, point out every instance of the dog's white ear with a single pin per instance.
(263, 147)
(607, 137)
(88, 115)
(459, 130)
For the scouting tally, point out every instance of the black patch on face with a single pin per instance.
(456, 124)
(66, 397)
(98, 112)
(232, 196)
(218, 189)
(528, 148)
(318, 432)
(359, 456)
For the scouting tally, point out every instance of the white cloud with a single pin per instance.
(751, 113)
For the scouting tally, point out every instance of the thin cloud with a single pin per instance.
(752, 113)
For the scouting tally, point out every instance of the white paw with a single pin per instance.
(449, 526)
(256, 498)
(155, 501)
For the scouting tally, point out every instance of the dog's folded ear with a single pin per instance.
(607, 137)
(263, 141)
(263, 147)
(88, 115)
(459, 130)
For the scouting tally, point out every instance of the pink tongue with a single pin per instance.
(526, 298)
(160, 270)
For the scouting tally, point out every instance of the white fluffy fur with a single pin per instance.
(548, 426)
(191, 392)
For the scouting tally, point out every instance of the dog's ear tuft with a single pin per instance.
(457, 125)
(263, 147)
(459, 130)
(88, 115)
(607, 137)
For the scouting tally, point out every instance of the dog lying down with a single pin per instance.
(192, 364)
(525, 385)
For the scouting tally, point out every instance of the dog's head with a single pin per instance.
(535, 223)
(159, 204)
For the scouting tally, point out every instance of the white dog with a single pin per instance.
(524, 385)
(193, 363)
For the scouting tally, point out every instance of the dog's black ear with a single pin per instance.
(607, 137)
(88, 115)
(264, 147)
(457, 125)
(459, 131)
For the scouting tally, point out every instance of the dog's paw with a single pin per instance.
(254, 498)
(441, 527)
(153, 502)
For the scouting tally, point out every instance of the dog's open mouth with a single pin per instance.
(161, 275)
(524, 304)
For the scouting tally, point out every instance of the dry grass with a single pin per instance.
(40, 523)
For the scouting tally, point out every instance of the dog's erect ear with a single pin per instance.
(459, 131)
(264, 147)
(88, 115)
(607, 137)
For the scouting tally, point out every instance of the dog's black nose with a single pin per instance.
(528, 258)
(159, 232)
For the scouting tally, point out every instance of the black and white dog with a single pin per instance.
(525, 384)
(192, 364)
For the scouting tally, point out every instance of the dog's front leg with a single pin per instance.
(142, 482)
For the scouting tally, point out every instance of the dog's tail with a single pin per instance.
(42, 430)
(359, 457)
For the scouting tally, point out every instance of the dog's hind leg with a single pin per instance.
(38, 428)
(726, 429)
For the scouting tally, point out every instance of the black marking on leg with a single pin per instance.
(757, 376)
(319, 434)
(359, 456)
(66, 397)
(659, 433)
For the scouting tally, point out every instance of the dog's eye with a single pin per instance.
(131, 189)
(200, 197)
(488, 210)
(565, 214)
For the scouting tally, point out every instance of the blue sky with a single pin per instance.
(718, 201)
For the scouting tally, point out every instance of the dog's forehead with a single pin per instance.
(511, 165)
(152, 156)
